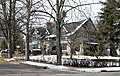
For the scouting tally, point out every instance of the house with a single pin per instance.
(33, 40)
(37, 36)
(77, 36)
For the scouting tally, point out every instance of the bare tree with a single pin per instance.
(57, 11)
(14, 19)
(54, 11)
(7, 19)
(73, 42)
(27, 21)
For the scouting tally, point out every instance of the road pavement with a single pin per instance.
(10, 69)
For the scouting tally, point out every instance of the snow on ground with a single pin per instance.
(53, 58)
(11, 59)
(89, 60)
(67, 68)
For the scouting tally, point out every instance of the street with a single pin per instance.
(9, 69)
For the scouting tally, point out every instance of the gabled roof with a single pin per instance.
(69, 27)
(50, 27)
(78, 24)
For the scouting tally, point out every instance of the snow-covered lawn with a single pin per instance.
(66, 59)
(67, 68)
(46, 58)
(87, 61)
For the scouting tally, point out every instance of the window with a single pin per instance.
(64, 46)
(64, 38)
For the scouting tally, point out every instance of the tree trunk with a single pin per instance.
(71, 53)
(58, 44)
(9, 50)
(10, 32)
(28, 5)
(112, 50)
(27, 48)
(58, 33)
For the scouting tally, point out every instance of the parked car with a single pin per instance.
(4, 53)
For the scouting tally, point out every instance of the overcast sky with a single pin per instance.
(90, 11)
(96, 8)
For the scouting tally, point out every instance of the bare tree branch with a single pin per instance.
(73, 7)
(51, 5)
(44, 12)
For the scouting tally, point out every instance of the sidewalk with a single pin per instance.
(67, 68)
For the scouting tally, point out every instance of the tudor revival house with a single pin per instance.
(78, 37)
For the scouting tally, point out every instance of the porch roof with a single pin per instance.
(92, 43)
(51, 36)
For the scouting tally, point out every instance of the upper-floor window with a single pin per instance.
(64, 46)
(64, 38)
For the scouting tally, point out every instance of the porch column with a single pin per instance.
(81, 52)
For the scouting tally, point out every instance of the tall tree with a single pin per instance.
(109, 29)
(28, 14)
(28, 19)
(10, 19)
(7, 19)
(56, 11)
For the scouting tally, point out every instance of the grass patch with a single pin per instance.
(1, 59)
